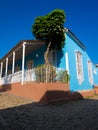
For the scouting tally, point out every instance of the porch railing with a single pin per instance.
(36, 75)
(17, 77)
(29, 75)
(12, 78)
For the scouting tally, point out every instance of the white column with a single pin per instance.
(1, 69)
(67, 62)
(6, 67)
(23, 62)
(13, 65)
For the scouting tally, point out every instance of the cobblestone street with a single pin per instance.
(20, 114)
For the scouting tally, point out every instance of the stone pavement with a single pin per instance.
(76, 115)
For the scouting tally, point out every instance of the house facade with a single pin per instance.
(18, 65)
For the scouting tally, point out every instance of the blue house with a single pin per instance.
(18, 65)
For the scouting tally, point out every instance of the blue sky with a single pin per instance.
(17, 17)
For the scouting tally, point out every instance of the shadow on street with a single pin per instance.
(75, 115)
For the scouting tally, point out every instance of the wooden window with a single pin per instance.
(79, 67)
(30, 65)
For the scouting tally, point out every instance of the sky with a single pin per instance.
(17, 18)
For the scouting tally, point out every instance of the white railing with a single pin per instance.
(38, 75)
(12, 78)
(6, 80)
(29, 75)
(17, 76)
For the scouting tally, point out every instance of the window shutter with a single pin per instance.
(79, 67)
(90, 73)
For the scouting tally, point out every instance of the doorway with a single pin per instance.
(29, 72)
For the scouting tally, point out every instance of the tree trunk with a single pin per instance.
(46, 54)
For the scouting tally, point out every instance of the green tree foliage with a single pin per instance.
(50, 29)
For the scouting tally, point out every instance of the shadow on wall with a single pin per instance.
(60, 55)
(42, 92)
(4, 88)
(59, 96)
(46, 92)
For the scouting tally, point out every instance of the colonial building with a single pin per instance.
(18, 65)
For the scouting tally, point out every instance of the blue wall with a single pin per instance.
(95, 75)
(37, 60)
(71, 47)
(61, 63)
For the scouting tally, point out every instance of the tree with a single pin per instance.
(50, 29)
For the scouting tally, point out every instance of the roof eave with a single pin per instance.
(72, 35)
(20, 44)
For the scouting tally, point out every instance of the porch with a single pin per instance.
(15, 67)
(19, 64)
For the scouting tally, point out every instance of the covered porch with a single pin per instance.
(16, 65)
